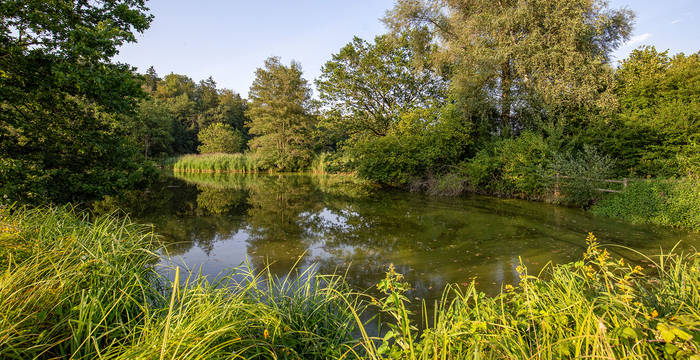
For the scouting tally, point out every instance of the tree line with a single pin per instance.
(475, 95)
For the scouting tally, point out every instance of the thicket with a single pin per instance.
(671, 202)
(86, 289)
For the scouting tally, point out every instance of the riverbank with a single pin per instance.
(97, 294)
(674, 203)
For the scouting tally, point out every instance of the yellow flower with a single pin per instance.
(266, 334)
(509, 287)
(654, 313)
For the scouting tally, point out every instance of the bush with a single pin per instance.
(390, 160)
(220, 138)
(580, 175)
(511, 167)
(663, 202)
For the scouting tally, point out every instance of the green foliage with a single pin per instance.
(579, 175)
(391, 160)
(367, 86)
(69, 286)
(219, 138)
(597, 307)
(62, 101)
(72, 287)
(512, 167)
(521, 60)
(423, 141)
(217, 163)
(75, 288)
(664, 202)
(152, 128)
(280, 117)
(657, 130)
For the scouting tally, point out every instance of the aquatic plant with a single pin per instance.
(218, 162)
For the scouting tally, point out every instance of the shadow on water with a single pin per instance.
(341, 225)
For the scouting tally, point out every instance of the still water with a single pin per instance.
(338, 225)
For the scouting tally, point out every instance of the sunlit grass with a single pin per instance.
(217, 163)
(73, 287)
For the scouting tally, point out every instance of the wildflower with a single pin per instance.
(654, 313)
(266, 334)
(509, 287)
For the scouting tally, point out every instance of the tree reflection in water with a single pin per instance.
(342, 225)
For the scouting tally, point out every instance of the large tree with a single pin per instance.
(522, 59)
(366, 87)
(280, 116)
(657, 128)
(62, 98)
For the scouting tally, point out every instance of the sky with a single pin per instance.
(229, 39)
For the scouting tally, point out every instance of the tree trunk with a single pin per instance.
(506, 84)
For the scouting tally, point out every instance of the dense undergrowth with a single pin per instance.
(75, 288)
(663, 202)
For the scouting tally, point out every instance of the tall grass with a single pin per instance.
(217, 163)
(72, 288)
(77, 288)
(596, 308)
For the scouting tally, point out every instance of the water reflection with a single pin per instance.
(338, 224)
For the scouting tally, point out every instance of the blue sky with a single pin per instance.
(229, 39)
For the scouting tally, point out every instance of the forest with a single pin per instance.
(427, 106)
(473, 99)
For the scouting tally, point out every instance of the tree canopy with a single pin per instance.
(281, 117)
(521, 58)
(367, 86)
(62, 98)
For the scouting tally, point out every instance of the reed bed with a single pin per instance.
(80, 288)
(219, 162)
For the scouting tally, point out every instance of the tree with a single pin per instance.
(230, 109)
(220, 138)
(280, 119)
(62, 101)
(657, 130)
(152, 127)
(523, 59)
(367, 86)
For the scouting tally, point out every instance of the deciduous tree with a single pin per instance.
(280, 116)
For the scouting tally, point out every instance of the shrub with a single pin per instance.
(390, 160)
(511, 167)
(663, 202)
(580, 175)
(220, 138)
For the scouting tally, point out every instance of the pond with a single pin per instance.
(340, 225)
